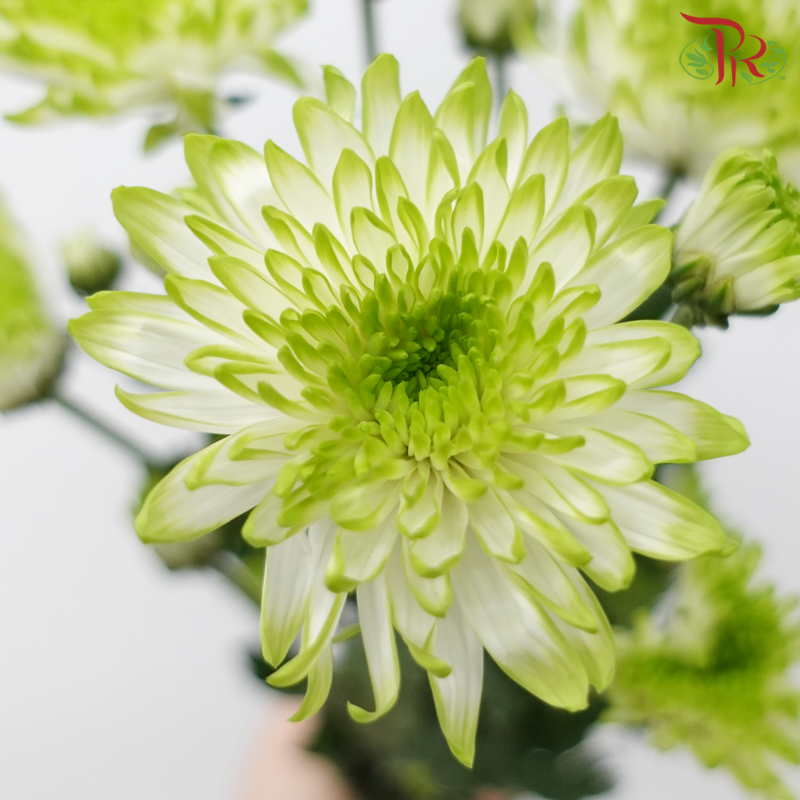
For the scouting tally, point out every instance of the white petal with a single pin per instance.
(713, 434)
(435, 553)
(287, 587)
(359, 556)
(172, 513)
(458, 696)
(154, 221)
(147, 347)
(684, 348)
(660, 523)
(627, 271)
(612, 566)
(380, 89)
(379, 644)
(518, 634)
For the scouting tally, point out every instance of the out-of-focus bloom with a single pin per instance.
(411, 343)
(630, 57)
(30, 346)
(711, 671)
(100, 57)
(738, 247)
(91, 267)
(495, 25)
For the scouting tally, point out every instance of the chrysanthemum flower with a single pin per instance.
(30, 346)
(410, 343)
(625, 56)
(100, 57)
(714, 673)
(738, 247)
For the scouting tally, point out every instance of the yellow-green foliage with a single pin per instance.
(713, 674)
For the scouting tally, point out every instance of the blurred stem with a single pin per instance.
(501, 77)
(109, 433)
(672, 179)
(370, 39)
(231, 567)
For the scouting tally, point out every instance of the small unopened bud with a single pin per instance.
(92, 267)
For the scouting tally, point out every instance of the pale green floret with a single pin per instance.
(737, 249)
(714, 674)
(101, 57)
(626, 56)
(90, 266)
(411, 346)
(30, 346)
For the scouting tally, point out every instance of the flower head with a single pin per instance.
(30, 347)
(494, 25)
(738, 246)
(98, 57)
(626, 56)
(410, 340)
(712, 672)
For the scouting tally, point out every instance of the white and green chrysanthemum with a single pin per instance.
(100, 57)
(738, 246)
(30, 346)
(410, 345)
(625, 56)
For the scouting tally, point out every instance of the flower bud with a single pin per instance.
(92, 267)
(737, 249)
(492, 24)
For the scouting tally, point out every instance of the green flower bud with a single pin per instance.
(30, 346)
(737, 249)
(92, 267)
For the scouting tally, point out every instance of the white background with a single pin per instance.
(121, 680)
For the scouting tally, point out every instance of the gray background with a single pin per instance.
(120, 680)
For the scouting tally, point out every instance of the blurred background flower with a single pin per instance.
(30, 345)
(101, 57)
(622, 56)
(708, 667)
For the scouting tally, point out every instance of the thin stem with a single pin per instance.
(370, 39)
(101, 427)
(501, 77)
(228, 565)
(672, 179)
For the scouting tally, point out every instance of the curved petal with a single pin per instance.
(173, 513)
(660, 523)
(379, 644)
(458, 695)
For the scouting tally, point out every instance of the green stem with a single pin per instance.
(232, 568)
(501, 77)
(101, 427)
(370, 39)
(672, 179)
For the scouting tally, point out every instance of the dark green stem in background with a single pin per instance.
(101, 428)
(370, 38)
(500, 77)
(232, 568)
(673, 178)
